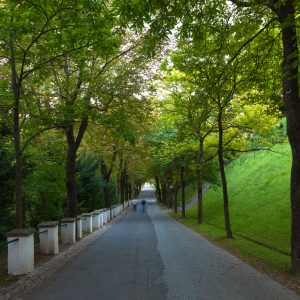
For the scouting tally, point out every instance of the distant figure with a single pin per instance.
(144, 205)
(134, 204)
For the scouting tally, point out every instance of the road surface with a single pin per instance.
(151, 256)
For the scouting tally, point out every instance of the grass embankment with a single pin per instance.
(190, 191)
(258, 187)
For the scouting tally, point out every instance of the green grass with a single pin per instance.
(190, 191)
(258, 187)
(264, 258)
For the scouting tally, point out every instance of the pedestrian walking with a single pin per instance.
(134, 204)
(144, 205)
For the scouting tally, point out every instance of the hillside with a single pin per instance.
(258, 185)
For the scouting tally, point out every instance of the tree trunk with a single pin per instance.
(182, 191)
(126, 186)
(122, 186)
(18, 186)
(15, 86)
(164, 193)
(199, 181)
(290, 86)
(107, 197)
(106, 174)
(176, 198)
(71, 174)
(223, 177)
(158, 191)
(130, 191)
(169, 197)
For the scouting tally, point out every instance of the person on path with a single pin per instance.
(134, 204)
(144, 205)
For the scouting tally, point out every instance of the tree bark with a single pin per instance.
(169, 197)
(176, 198)
(290, 87)
(158, 190)
(73, 145)
(71, 174)
(223, 176)
(164, 193)
(182, 191)
(122, 186)
(106, 174)
(130, 191)
(199, 181)
(15, 86)
(107, 198)
(126, 184)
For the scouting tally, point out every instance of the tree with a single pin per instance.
(194, 120)
(34, 35)
(285, 12)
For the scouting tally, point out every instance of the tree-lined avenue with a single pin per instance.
(151, 256)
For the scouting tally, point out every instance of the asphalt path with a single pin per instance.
(151, 256)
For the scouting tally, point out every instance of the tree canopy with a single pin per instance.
(99, 97)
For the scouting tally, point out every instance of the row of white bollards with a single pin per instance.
(21, 241)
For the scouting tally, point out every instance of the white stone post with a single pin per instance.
(20, 258)
(68, 230)
(101, 217)
(79, 227)
(48, 237)
(87, 225)
(108, 214)
(96, 219)
(104, 213)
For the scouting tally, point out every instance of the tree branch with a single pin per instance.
(35, 135)
(81, 131)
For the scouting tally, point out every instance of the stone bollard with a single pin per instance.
(101, 214)
(108, 215)
(48, 237)
(79, 227)
(68, 230)
(101, 218)
(96, 219)
(20, 258)
(105, 218)
(104, 213)
(87, 224)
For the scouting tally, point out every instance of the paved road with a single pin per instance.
(151, 256)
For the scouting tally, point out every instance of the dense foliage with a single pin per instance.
(98, 97)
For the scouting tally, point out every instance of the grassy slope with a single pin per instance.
(190, 191)
(258, 185)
